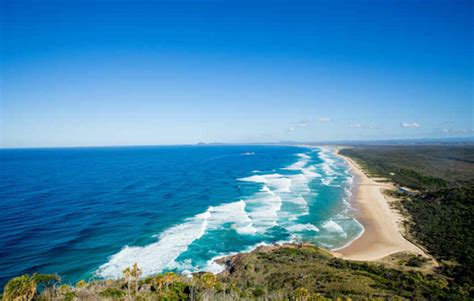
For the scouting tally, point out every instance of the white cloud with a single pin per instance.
(355, 125)
(325, 119)
(410, 125)
(295, 125)
(457, 131)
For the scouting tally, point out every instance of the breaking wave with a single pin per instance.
(281, 199)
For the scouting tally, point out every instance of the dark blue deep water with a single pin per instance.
(90, 212)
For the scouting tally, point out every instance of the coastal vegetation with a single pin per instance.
(288, 272)
(419, 167)
(437, 194)
(26, 287)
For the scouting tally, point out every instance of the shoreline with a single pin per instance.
(382, 236)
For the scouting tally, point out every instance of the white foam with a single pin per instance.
(279, 183)
(304, 156)
(348, 191)
(249, 229)
(256, 178)
(213, 267)
(275, 181)
(302, 227)
(353, 239)
(328, 163)
(350, 180)
(300, 164)
(309, 172)
(155, 257)
(185, 265)
(327, 168)
(297, 200)
(333, 227)
(231, 213)
(328, 181)
(264, 208)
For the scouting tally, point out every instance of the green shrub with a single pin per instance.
(112, 293)
(259, 292)
(20, 288)
(415, 261)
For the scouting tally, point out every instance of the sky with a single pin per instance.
(93, 73)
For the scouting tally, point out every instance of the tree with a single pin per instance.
(169, 278)
(208, 282)
(127, 278)
(318, 297)
(301, 294)
(193, 280)
(81, 284)
(159, 282)
(22, 288)
(81, 290)
(67, 292)
(136, 273)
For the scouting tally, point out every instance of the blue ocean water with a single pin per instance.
(90, 212)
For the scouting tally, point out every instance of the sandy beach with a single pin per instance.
(382, 236)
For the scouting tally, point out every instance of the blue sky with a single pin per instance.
(78, 73)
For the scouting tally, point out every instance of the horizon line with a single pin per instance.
(466, 139)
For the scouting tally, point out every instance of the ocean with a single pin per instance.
(90, 212)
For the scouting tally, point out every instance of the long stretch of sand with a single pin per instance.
(382, 235)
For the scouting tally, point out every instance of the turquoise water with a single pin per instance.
(91, 212)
